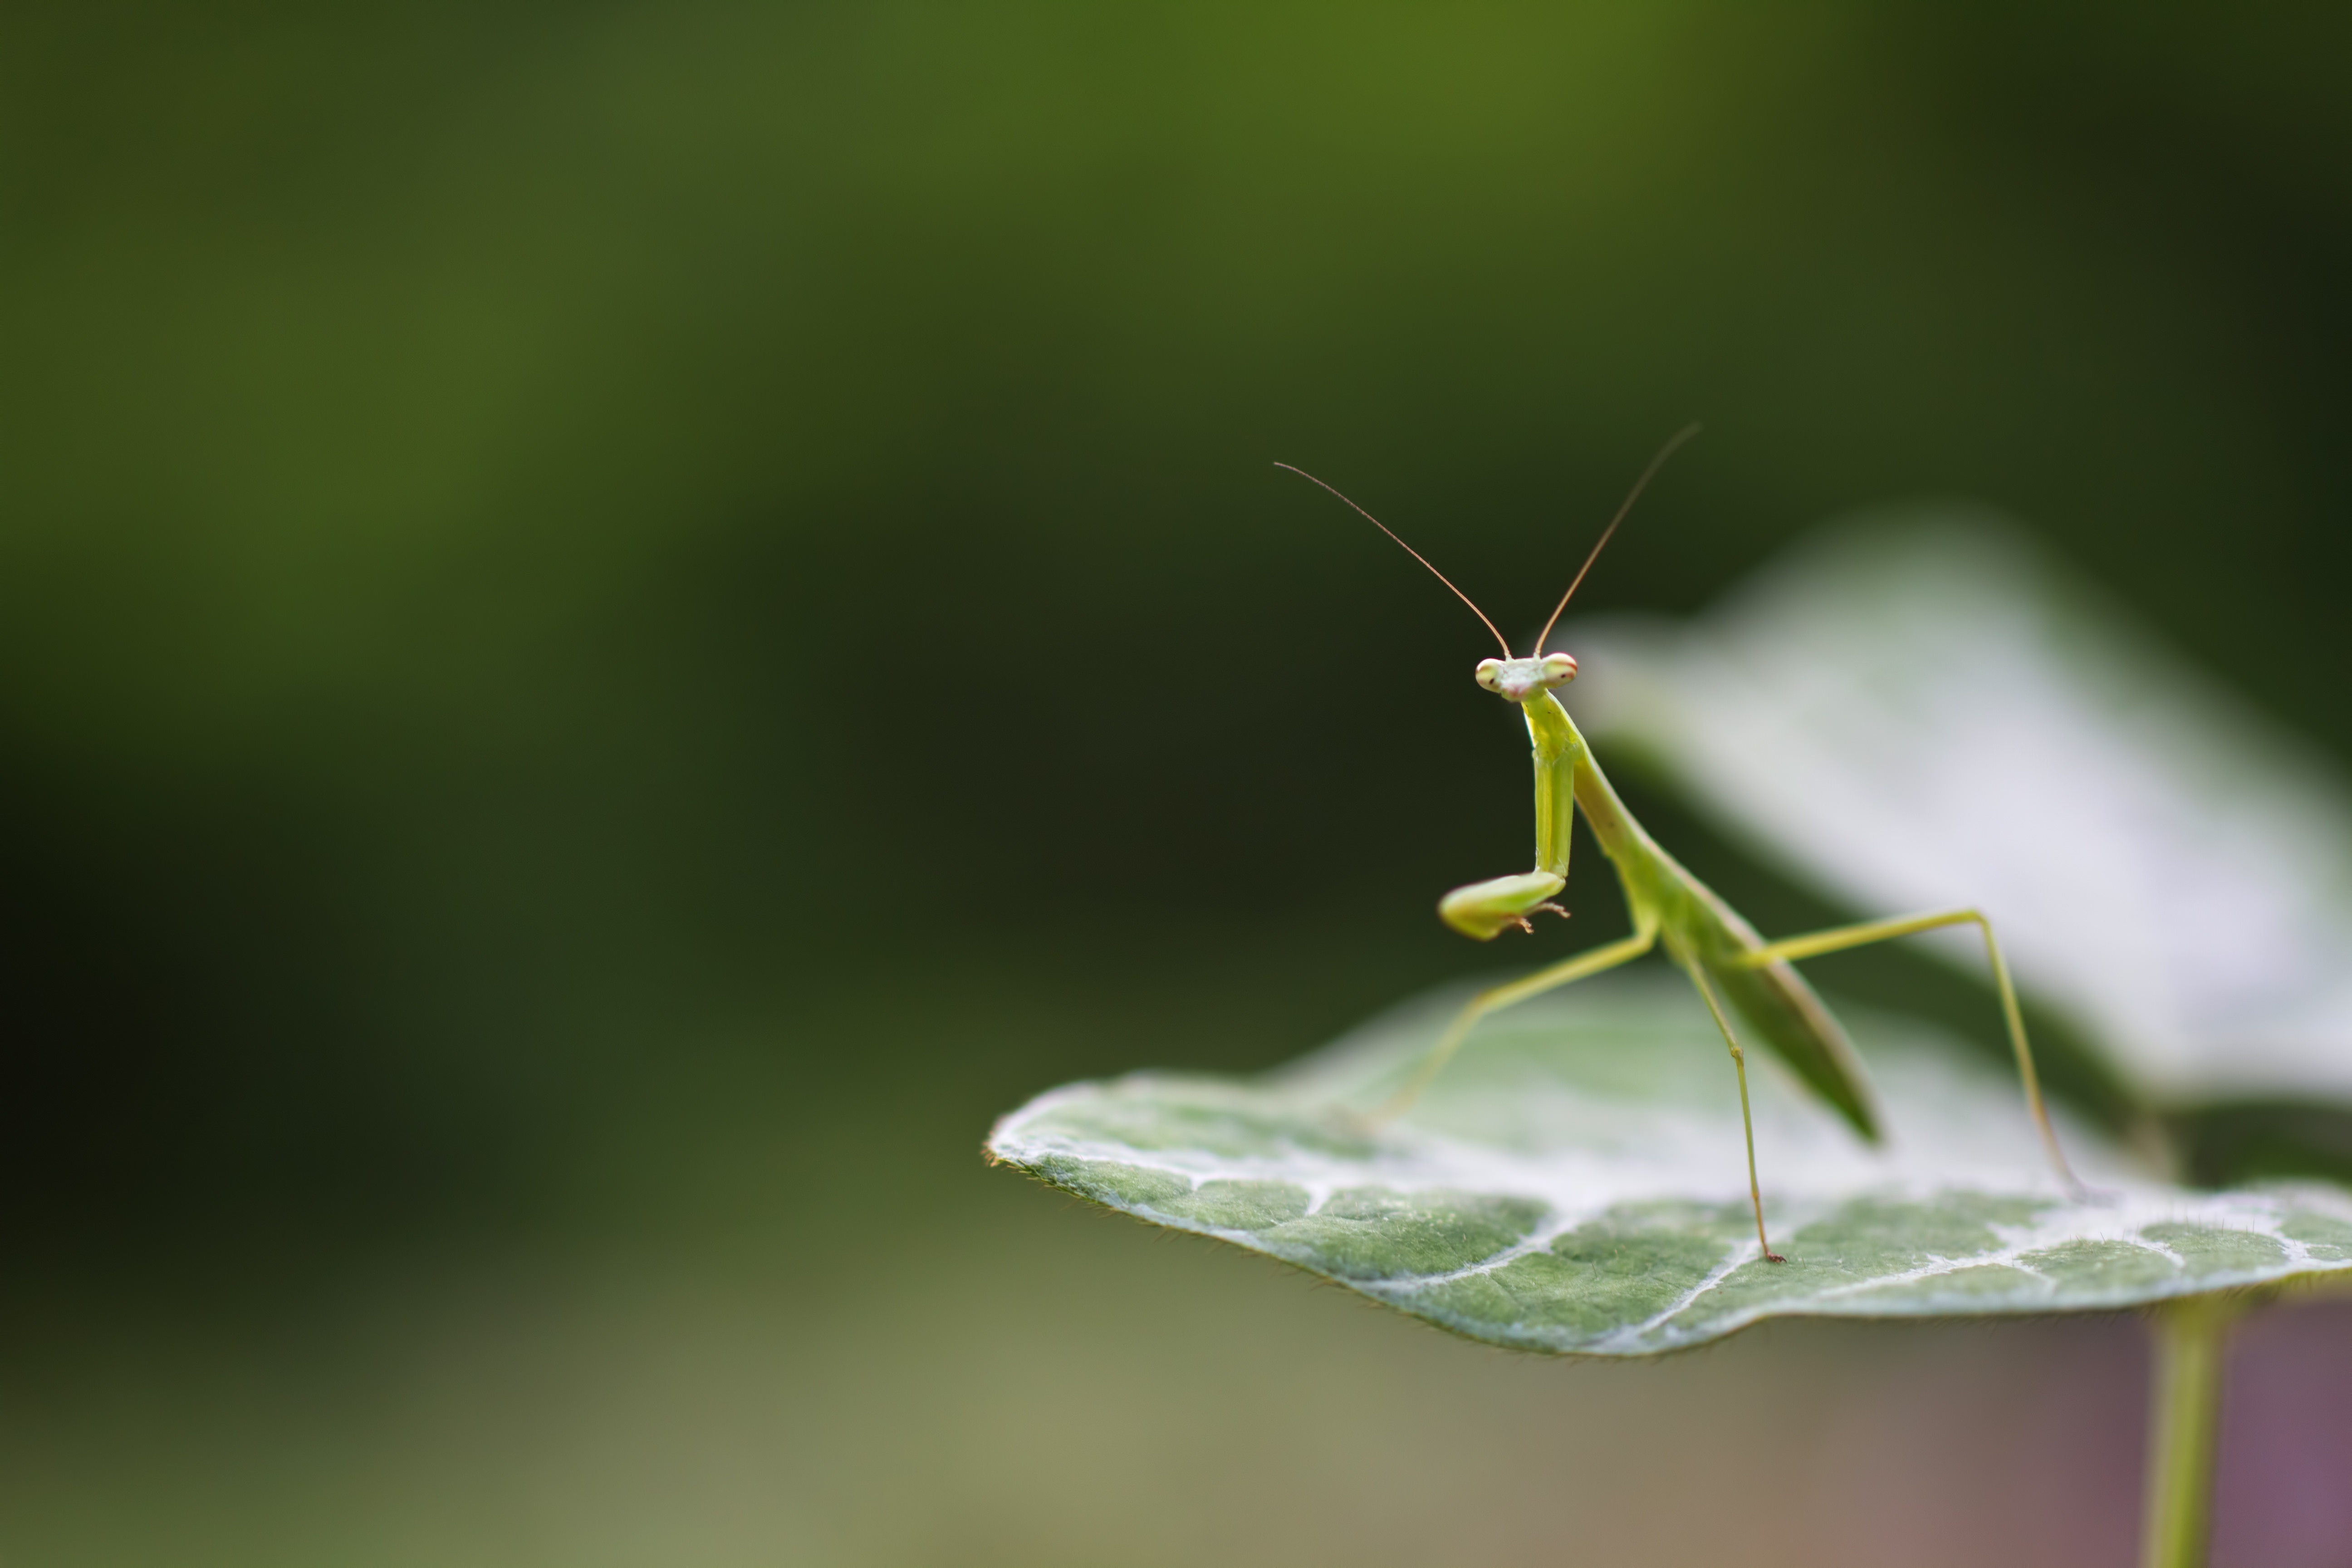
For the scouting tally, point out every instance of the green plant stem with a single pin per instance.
(2183, 1406)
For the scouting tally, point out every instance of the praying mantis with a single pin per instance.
(1733, 969)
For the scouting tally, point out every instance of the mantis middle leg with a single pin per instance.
(1697, 971)
(1837, 940)
(1565, 972)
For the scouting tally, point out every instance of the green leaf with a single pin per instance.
(1575, 1182)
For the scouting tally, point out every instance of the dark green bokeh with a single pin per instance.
(590, 593)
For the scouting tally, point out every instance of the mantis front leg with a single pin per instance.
(1837, 940)
(1485, 909)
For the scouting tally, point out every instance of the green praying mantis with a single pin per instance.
(1733, 969)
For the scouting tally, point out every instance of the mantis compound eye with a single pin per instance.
(1489, 674)
(1559, 669)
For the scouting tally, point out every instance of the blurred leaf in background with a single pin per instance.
(1923, 712)
(608, 612)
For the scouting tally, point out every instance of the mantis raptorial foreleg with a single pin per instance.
(1838, 939)
(1566, 972)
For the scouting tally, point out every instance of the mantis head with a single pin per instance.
(1520, 679)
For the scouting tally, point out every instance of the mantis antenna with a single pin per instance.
(1441, 576)
(1679, 437)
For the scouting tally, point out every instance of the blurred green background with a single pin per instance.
(618, 623)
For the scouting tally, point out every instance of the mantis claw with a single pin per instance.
(1484, 910)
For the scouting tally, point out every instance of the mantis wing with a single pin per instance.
(1774, 1000)
(1700, 929)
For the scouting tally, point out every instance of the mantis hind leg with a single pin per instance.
(1840, 937)
(1566, 972)
(1747, 1122)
